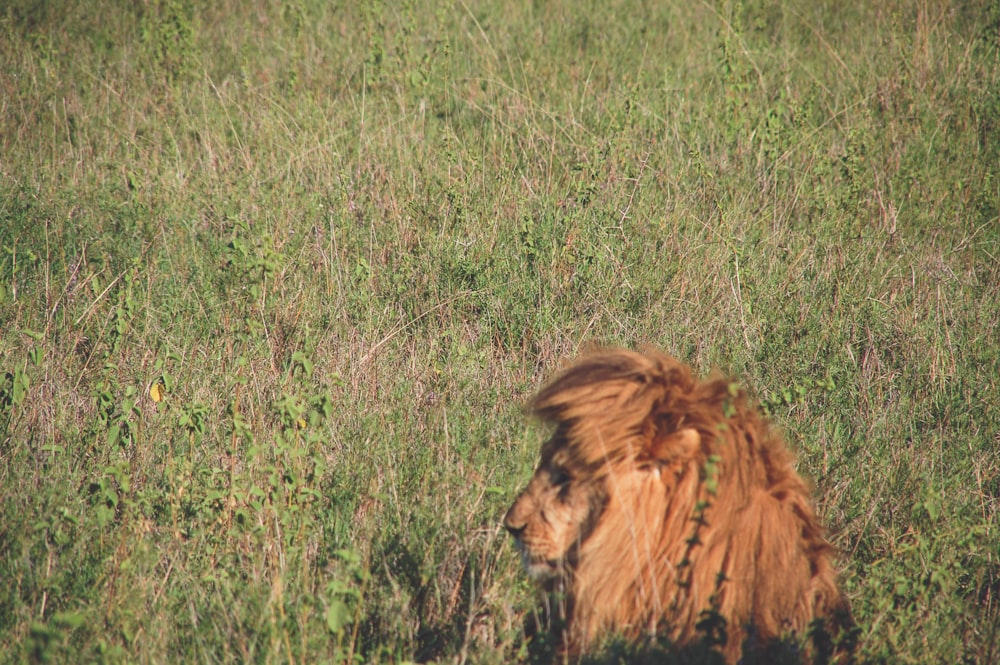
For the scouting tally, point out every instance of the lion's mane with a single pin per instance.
(700, 511)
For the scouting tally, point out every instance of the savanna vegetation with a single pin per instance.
(277, 277)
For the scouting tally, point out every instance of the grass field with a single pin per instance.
(276, 279)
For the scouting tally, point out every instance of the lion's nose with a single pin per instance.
(514, 526)
(514, 530)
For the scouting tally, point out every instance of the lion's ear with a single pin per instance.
(677, 446)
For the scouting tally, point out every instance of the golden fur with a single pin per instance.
(661, 500)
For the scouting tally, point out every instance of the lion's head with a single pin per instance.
(659, 499)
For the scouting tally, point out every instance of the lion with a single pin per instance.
(662, 501)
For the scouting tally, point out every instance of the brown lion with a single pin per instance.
(660, 502)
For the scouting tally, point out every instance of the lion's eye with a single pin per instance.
(559, 477)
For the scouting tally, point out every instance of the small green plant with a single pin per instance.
(253, 260)
(13, 390)
(167, 29)
(345, 595)
(107, 492)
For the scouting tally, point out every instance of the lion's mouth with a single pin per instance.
(539, 568)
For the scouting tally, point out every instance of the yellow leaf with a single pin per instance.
(157, 391)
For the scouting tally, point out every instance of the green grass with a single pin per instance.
(342, 246)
